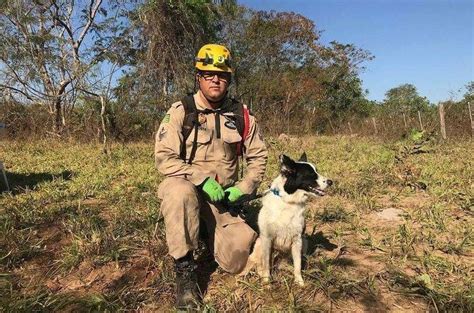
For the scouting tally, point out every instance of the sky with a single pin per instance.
(427, 43)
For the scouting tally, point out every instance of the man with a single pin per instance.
(202, 173)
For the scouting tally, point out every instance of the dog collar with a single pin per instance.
(276, 192)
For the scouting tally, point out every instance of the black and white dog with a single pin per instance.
(281, 220)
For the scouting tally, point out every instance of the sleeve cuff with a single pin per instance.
(245, 188)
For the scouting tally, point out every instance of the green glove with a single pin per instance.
(234, 194)
(213, 190)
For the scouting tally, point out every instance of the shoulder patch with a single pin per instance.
(166, 119)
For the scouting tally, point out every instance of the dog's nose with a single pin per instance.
(329, 182)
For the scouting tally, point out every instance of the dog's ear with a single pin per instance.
(286, 160)
(287, 165)
(303, 157)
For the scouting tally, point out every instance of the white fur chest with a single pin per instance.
(281, 221)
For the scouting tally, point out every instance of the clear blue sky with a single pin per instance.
(427, 43)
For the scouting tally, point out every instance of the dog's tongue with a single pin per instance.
(318, 191)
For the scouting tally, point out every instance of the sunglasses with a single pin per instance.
(222, 76)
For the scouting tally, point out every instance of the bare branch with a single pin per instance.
(16, 90)
(62, 23)
(93, 9)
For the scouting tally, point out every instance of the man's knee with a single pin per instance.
(233, 246)
(236, 261)
(179, 199)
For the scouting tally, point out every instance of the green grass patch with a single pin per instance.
(81, 230)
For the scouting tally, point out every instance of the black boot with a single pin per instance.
(187, 295)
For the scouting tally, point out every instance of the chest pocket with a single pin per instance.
(231, 138)
(203, 139)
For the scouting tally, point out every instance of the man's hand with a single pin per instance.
(234, 193)
(213, 190)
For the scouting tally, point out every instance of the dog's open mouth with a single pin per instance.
(316, 191)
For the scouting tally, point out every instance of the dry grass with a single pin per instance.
(82, 231)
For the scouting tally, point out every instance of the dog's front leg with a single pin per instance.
(254, 259)
(296, 250)
(266, 255)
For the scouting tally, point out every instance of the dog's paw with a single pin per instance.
(266, 283)
(299, 281)
(246, 270)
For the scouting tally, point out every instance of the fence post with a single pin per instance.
(419, 119)
(441, 120)
(470, 117)
(405, 121)
(375, 125)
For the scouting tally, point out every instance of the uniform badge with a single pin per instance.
(230, 124)
(202, 118)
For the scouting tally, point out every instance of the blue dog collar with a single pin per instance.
(276, 192)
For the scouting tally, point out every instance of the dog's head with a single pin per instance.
(302, 175)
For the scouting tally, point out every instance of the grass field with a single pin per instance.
(82, 231)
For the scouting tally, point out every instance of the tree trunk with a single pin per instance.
(441, 120)
(288, 109)
(470, 117)
(374, 123)
(60, 119)
(421, 124)
(103, 110)
(332, 126)
(58, 116)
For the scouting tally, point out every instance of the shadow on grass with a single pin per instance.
(318, 240)
(344, 262)
(19, 183)
(373, 304)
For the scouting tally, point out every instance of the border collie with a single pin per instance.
(281, 221)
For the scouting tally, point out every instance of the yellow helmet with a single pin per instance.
(212, 57)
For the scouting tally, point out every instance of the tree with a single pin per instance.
(469, 95)
(344, 93)
(405, 99)
(48, 49)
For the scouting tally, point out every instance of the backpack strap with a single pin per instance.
(190, 121)
(246, 124)
(243, 124)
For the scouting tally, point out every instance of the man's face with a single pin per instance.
(214, 84)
